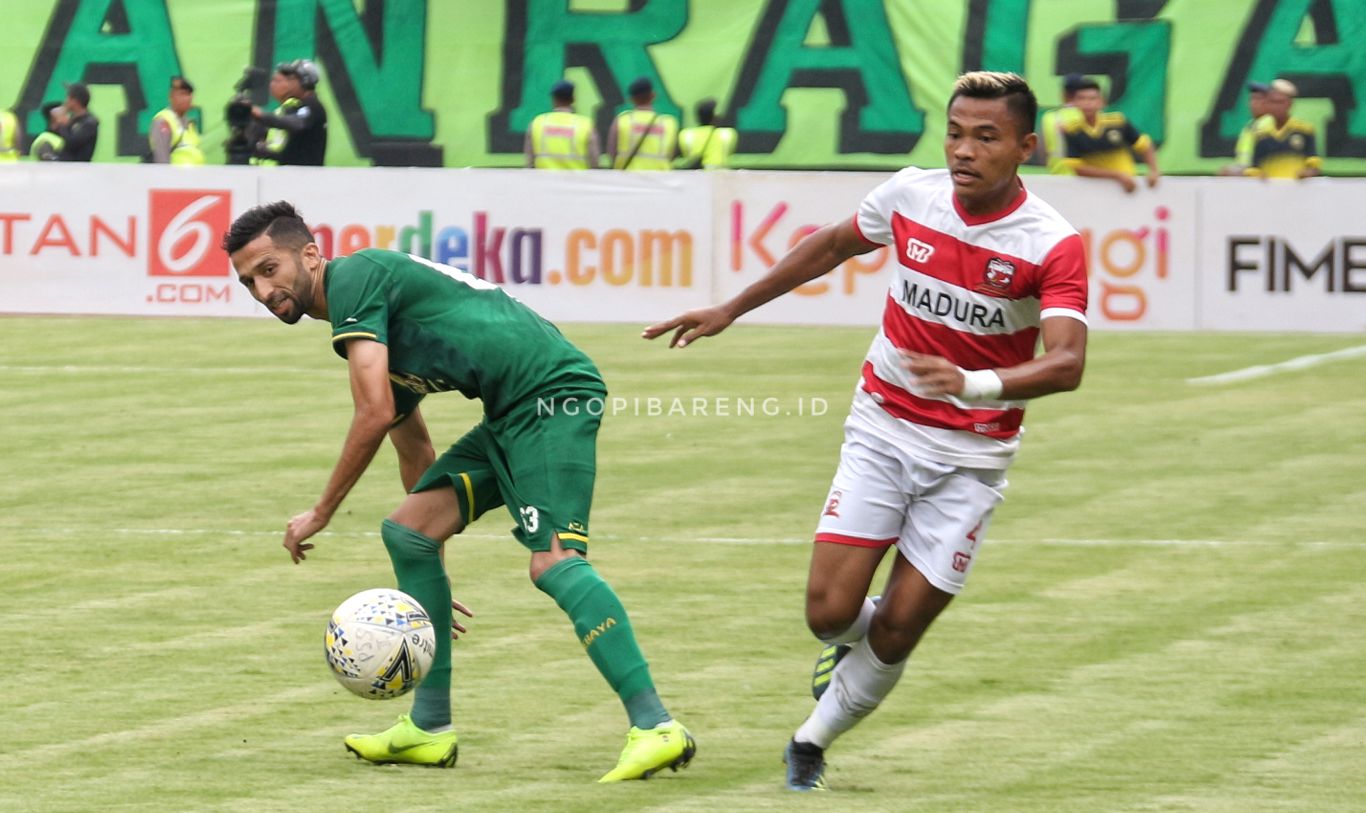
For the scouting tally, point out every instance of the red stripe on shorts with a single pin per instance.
(841, 539)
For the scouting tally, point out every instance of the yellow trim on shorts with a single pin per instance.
(469, 494)
(576, 537)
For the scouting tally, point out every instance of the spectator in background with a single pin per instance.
(1051, 143)
(174, 139)
(561, 139)
(641, 138)
(82, 127)
(706, 146)
(1101, 143)
(298, 127)
(11, 137)
(47, 145)
(1242, 151)
(1283, 147)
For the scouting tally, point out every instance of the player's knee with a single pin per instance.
(430, 513)
(541, 561)
(828, 611)
(892, 639)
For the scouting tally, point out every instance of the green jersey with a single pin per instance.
(450, 330)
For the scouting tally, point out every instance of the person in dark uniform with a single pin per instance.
(82, 128)
(298, 128)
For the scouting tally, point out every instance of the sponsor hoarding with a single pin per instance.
(120, 240)
(577, 247)
(1207, 253)
(1282, 256)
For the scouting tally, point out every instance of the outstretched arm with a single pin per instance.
(815, 256)
(374, 413)
(1124, 179)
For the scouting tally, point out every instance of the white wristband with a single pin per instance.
(980, 385)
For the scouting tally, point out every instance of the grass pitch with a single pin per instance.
(1169, 615)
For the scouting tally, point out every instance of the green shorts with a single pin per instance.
(539, 460)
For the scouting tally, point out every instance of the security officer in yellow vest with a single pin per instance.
(11, 137)
(706, 146)
(561, 139)
(48, 144)
(173, 137)
(640, 138)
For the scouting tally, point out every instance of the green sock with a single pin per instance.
(604, 630)
(417, 564)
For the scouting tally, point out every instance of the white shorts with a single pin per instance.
(935, 513)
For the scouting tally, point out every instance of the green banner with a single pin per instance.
(808, 83)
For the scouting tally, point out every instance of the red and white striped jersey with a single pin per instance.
(972, 289)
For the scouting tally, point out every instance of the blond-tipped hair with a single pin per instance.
(1000, 85)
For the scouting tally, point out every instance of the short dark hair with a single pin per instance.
(640, 86)
(279, 220)
(706, 112)
(1012, 87)
(1086, 84)
(181, 83)
(79, 92)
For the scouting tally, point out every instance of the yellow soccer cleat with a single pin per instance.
(667, 745)
(405, 743)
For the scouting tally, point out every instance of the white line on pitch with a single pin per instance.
(731, 540)
(1263, 370)
(118, 369)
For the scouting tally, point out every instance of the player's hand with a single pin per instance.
(299, 529)
(692, 325)
(933, 375)
(1126, 181)
(456, 627)
(1153, 178)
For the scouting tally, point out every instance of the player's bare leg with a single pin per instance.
(414, 534)
(837, 586)
(909, 605)
(838, 610)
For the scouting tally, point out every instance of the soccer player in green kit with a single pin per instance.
(407, 327)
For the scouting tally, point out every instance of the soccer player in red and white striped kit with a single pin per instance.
(984, 270)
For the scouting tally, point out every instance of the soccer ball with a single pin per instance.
(380, 643)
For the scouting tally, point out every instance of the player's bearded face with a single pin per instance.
(294, 296)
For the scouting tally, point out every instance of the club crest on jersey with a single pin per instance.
(999, 274)
(918, 251)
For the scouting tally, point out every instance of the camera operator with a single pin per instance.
(298, 134)
(243, 130)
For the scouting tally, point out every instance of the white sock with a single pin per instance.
(859, 628)
(858, 686)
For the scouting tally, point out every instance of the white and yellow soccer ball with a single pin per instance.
(380, 643)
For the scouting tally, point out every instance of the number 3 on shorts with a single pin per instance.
(531, 518)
